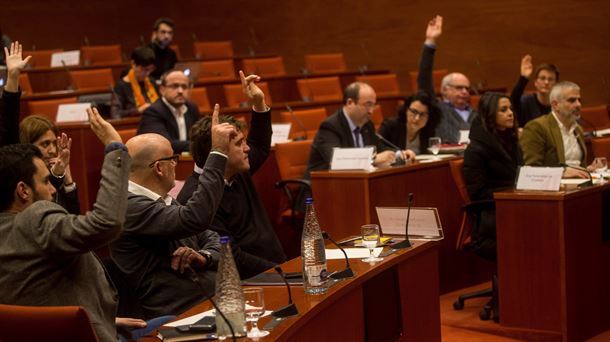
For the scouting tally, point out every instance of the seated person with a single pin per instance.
(416, 122)
(556, 139)
(530, 106)
(135, 91)
(46, 254)
(241, 214)
(55, 149)
(11, 95)
(491, 161)
(166, 252)
(455, 89)
(350, 126)
(172, 116)
(162, 36)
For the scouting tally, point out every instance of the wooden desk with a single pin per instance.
(553, 260)
(345, 200)
(394, 300)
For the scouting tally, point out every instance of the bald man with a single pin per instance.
(166, 251)
(455, 89)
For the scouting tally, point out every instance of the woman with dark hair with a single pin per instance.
(42, 133)
(491, 161)
(416, 122)
(136, 90)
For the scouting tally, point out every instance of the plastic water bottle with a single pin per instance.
(229, 294)
(312, 253)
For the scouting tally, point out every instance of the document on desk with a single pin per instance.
(352, 158)
(352, 253)
(424, 223)
(72, 112)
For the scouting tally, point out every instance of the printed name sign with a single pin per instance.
(65, 58)
(539, 178)
(352, 158)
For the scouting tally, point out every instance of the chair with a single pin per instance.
(272, 66)
(127, 134)
(222, 70)
(49, 108)
(474, 101)
(601, 147)
(176, 49)
(213, 50)
(437, 78)
(320, 89)
(595, 118)
(234, 94)
(384, 84)
(199, 96)
(40, 58)
(101, 54)
(41, 323)
(377, 117)
(469, 218)
(307, 120)
(101, 79)
(328, 62)
(25, 85)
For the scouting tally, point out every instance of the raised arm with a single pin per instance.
(14, 65)
(517, 93)
(426, 63)
(259, 137)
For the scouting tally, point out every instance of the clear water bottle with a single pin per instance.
(229, 295)
(312, 253)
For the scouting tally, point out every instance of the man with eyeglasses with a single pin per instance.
(457, 114)
(166, 253)
(171, 116)
(530, 106)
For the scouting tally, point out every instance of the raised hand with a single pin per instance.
(102, 128)
(434, 29)
(252, 91)
(14, 65)
(222, 133)
(526, 66)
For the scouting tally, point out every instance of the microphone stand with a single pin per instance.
(301, 126)
(399, 160)
(406, 243)
(347, 272)
(290, 309)
(584, 184)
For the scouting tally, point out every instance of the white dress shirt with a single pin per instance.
(571, 148)
(179, 116)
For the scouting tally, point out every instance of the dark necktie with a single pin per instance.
(358, 141)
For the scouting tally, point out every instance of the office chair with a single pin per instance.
(94, 79)
(437, 78)
(470, 217)
(213, 50)
(320, 89)
(595, 118)
(200, 97)
(127, 134)
(101, 54)
(272, 66)
(235, 97)
(308, 122)
(384, 84)
(49, 108)
(42, 323)
(221, 70)
(40, 58)
(601, 147)
(327, 62)
(176, 49)
(24, 84)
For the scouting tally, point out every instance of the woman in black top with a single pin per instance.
(491, 161)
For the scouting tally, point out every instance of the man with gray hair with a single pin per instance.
(556, 139)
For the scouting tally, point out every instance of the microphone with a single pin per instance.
(364, 67)
(290, 309)
(590, 124)
(71, 85)
(299, 123)
(251, 50)
(347, 272)
(581, 185)
(406, 243)
(308, 98)
(399, 160)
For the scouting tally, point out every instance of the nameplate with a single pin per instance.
(280, 133)
(424, 223)
(352, 158)
(59, 59)
(72, 112)
(464, 136)
(539, 178)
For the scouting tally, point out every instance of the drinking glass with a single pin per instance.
(434, 144)
(255, 308)
(370, 239)
(600, 164)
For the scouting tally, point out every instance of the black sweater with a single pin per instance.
(526, 107)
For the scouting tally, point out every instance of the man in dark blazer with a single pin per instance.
(350, 126)
(172, 116)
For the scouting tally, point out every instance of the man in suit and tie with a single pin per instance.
(172, 115)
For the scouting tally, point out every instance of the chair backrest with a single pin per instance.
(127, 133)
(601, 147)
(474, 101)
(595, 118)
(101, 79)
(309, 119)
(40, 323)
(437, 77)
(200, 97)
(377, 117)
(101, 54)
(272, 66)
(222, 70)
(24, 84)
(213, 50)
(457, 173)
(176, 49)
(384, 84)
(40, 58)
(48, 108)
(234, 94)
(292, 158)
(327, 62)
(320, 88)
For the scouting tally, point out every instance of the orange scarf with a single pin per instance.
(137, 92)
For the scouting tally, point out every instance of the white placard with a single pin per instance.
(352, 158)
(352, 253)
(539, 178)
(464, 136)
(423, 222)
(280, 133)
(72, 112)
(68, 57)
(199, 316)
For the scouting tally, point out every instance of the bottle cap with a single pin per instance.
(309, 200)
(224, 239)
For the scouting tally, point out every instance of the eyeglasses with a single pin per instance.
(415, 113)
(459, 87)
(546, 79)
(173, 158)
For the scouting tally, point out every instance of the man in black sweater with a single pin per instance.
(162, 36)
(241, 214)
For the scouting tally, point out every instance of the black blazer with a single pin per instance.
(159, 119)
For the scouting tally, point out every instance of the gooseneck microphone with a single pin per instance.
(399, 160)
(299, 123)
(290, 309)
(581, 185)
(347, 272)
(406, 243)
(590, 124)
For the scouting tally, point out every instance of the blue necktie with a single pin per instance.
(358, 141)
